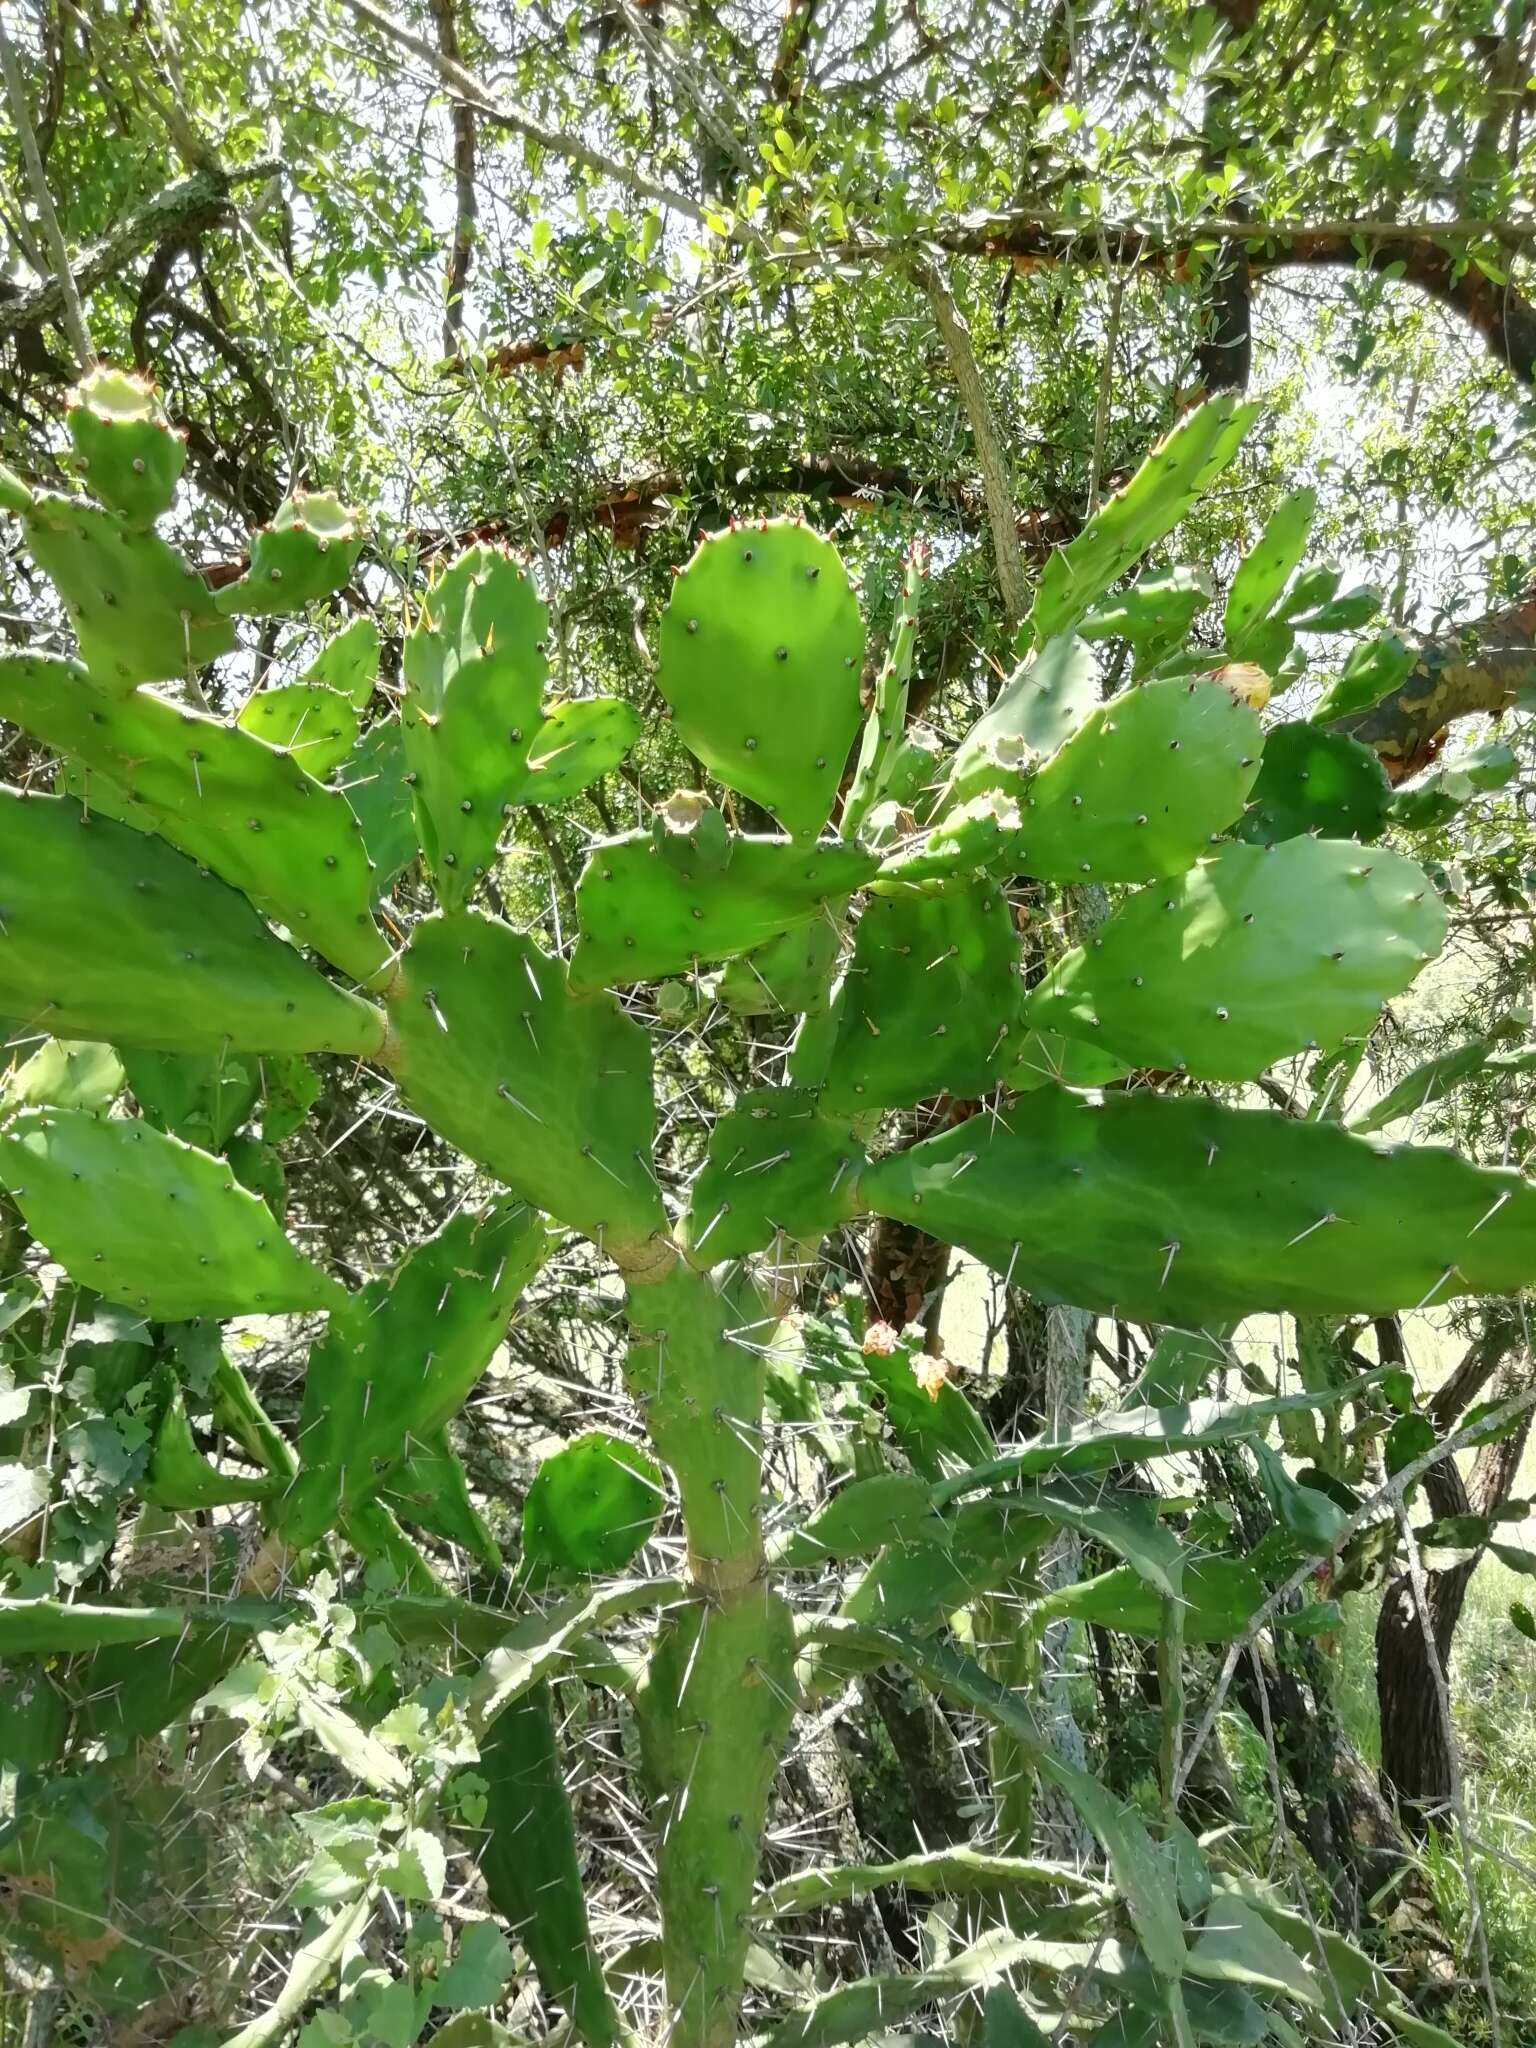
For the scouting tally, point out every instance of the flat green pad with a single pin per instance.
(1153, 616)
(402, 1356)
(775, 1163)
(550, 1091)
(592, 1506)
(141, 613)
(1039, 1058)
(131, 454)
(1143, 785)
(429, 1488)
(316, 725)
(150, 1222)
(374, 784)
(1253, 955)
(1264, 572)
(930, 999)
(105, 933)
(760, 656)
(180, 1477)
(581, 739)
(1374, 669)
(531, 1863)
(348, 663)
(980, 836)
(475, 672)
(62, 1074)
(1178, 1210)
(790, 974)
(221, 795)
(1167, 486)
(1315, 781)
(308, 552)
(655, 902)
(1041, 705)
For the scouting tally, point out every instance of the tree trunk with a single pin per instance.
(1415, 1743)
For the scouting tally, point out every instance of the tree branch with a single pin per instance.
(505, 113)
(1481, 667)
(462, 116)
(69, 297)
(996, 478)
(179, 212)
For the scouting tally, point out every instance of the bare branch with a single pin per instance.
(493, 106)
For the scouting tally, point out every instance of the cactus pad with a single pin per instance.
(314, 724)
(104, 932)
(1264, 572)
(132, 455)
(374, 784)
(1154, 615)
(1313, 781)
(593, 1505)
(1040, 706)
(221, 795)
(141, 613)
(429, 1488)
(654, 902)
(1183, 1211)
(1143, 785)
(64, 1074)
(775, 1164)
(475, 671)
(400, 1359)
(976, 837)
(551, 1092)
(761, 650)
(150, 1222)
(580, 739)
(532, 1869)
(348, 663)
(1164, 489)
(306, 553)
(884, 727)
(930, 999)
(788, 975)
(1041, 1057)
(728, 1673)
(1253, 955)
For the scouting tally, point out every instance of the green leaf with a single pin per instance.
(418, 1869)
(480, 1970)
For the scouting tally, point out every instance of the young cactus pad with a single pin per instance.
(401, 1357)
(107, 933)
(131, 455)
(306, 553)
(760, 657)
(1254, 954)
(593, 1505)
(1313, 781)
(657, 901)
(150, 1222)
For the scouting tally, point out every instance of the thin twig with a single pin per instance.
(70, 307)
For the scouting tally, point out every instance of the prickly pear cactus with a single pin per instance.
(912, 937)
